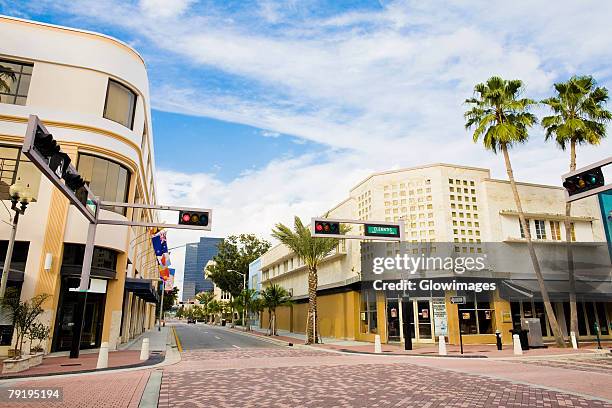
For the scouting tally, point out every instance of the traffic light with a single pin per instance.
(327, 227)
(584, 181)
(193, 218)
(45, 144)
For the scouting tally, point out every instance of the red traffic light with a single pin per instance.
(193, 218)
(331, 228)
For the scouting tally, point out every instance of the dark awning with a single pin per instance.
(558, 291)
(143, 288)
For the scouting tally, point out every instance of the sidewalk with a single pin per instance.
(428, 349)
(127, 355)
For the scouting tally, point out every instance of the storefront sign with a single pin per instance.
(440, 318)
(458, 300)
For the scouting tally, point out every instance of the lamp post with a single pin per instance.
(20, 198)
(243, 297)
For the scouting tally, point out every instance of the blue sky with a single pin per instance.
(293, 102)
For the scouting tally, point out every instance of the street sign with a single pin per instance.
(380, 231)
(458, 300)
(389, 231)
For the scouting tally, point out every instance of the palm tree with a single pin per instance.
(205, 297)
(579, 117)
(6, 74)
(501, 118)
(246, 299)
(214, 308)
(274, 296)
(311, 250)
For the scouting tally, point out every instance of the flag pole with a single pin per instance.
(161, 306)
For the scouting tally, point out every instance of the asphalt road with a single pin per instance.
(203, 336)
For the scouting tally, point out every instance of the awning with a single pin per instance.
(558, 291)
(143, 288)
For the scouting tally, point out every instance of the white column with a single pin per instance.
(517, 345)
(441, 345)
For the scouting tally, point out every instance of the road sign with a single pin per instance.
(458, 300)
(380, 231)
(389, 231)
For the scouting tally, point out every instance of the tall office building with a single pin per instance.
(196, 257)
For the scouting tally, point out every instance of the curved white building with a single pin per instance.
(91, 91)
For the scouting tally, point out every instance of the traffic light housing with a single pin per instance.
(193, 218)
(327, 227)
(585, 181)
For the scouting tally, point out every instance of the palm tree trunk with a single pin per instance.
(312, 306)
(532, 254)
(269, 333)
(274, 332)
(570, 252)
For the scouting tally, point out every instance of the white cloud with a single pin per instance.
(165, 8)
(382, 88)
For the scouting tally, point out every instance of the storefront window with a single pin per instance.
(477, 315)
(368, 315)
(107, 179)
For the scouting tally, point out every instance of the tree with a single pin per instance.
(502, 119)
(578, 118)
(311, 250)
(23, 314)
(38, 332)
(205, 297)
(180, 313)
(170, 298)
(235, 253)
(7, 76)
(274, 296)
(214, 308)
(246, 299)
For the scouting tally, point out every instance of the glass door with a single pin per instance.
(423, 316)
(393, 320)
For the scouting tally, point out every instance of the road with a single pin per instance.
(203, 336)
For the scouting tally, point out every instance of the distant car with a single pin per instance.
(191, 320)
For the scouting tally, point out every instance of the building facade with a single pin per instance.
(196, 257)
(91, 92)
(457, 211)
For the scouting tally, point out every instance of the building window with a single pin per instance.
(521, 227)
(368, 313)
(15, 166)
(108, 180)
(477, 315)
(540, 229)
(14, 82)
(120, 104)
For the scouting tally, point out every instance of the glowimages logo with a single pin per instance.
(413, 264)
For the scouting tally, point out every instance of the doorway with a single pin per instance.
(417, 312)
(68, 310)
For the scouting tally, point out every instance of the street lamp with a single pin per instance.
(243, 297)
(20, 198)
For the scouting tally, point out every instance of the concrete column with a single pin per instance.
(114, 304)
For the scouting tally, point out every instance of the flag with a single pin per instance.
(169, 283)
(164, 272)
(164, 260)
(160, 245)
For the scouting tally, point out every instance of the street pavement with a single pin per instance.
(218, 375)
(225, 368)
(203, 336)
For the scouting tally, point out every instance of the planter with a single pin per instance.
(17, 365)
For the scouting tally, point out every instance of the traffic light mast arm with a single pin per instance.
(157, 224)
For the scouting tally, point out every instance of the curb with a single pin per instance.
(268, 339)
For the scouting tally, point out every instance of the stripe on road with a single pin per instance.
(217, 337)
(235, 346)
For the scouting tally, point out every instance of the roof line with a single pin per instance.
(382, 173)
(77, 30)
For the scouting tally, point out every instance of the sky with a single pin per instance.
(263, 110)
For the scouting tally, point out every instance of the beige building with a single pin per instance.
(91, 91)
(462, 210)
